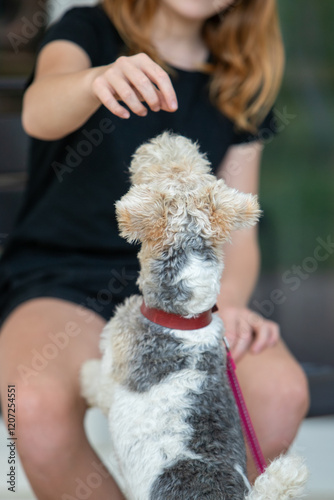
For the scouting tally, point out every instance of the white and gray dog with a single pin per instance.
(174, 425)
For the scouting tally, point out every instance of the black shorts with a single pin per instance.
(98, 285)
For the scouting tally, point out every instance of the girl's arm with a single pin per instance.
(66, 90)
(244, 328)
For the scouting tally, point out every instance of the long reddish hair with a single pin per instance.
(246, 45)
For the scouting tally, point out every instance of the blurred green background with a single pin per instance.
(297, 183)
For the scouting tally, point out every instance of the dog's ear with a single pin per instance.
(141, 214)
(232, 209)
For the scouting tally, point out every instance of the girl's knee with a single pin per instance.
(294, 392)
(291, 403)
(48, 419)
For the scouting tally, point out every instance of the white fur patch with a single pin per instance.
(150, 431)
(283, 479)
(206, 338)
(202, 277)
(238, 468)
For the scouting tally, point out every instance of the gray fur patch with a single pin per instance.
(154, 355)
(188, 479)
(196, 480)
(172, 294)
(216, 438)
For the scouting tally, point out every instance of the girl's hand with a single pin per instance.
(248, 331)
(131, 80)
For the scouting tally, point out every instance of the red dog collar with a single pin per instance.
(175, 321)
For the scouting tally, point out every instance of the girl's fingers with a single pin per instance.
(142, 86)
(262, 337)
(274, 333)
(163, 103)
(128, 95)
(131, 80)
(244, 336)
(105, 95)
(161, 79)
(247, 330)
(266, 335)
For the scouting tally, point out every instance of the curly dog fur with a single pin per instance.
(173, 422)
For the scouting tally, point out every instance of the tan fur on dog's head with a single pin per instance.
(182, 215)
(141, 214)
(231, 209)
(168, 157)
(147, 214)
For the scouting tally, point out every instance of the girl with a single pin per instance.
(108, 78)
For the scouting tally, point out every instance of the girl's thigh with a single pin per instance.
(276, 391)
(44, 342)
(271, 370)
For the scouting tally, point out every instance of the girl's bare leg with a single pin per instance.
(42, 346)
(276, 393)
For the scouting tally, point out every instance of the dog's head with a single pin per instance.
(182, 221)
(171, 159)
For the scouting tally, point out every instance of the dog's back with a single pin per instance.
(173, 418)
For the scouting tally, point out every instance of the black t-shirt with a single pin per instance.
(74, 182)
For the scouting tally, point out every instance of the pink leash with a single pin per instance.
(247, 425)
